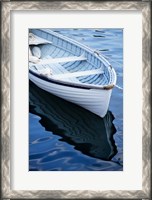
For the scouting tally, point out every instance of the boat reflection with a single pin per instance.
(87, 132)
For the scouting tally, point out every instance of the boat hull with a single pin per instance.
(88, 133)
(94, 100)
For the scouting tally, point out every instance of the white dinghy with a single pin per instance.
(70, 70)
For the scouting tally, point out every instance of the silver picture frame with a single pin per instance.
(6, 8)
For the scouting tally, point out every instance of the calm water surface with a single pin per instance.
(63, 136)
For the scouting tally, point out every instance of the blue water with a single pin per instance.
(63, 136)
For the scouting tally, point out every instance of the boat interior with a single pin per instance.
(50, 59)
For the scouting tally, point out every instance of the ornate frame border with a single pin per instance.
(6, 7)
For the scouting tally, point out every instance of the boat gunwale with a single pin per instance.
(71, 84)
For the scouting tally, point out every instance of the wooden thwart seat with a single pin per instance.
(61, 60)
(77, 74)
(55, 69)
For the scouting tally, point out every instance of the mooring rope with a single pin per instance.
(117, 86)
